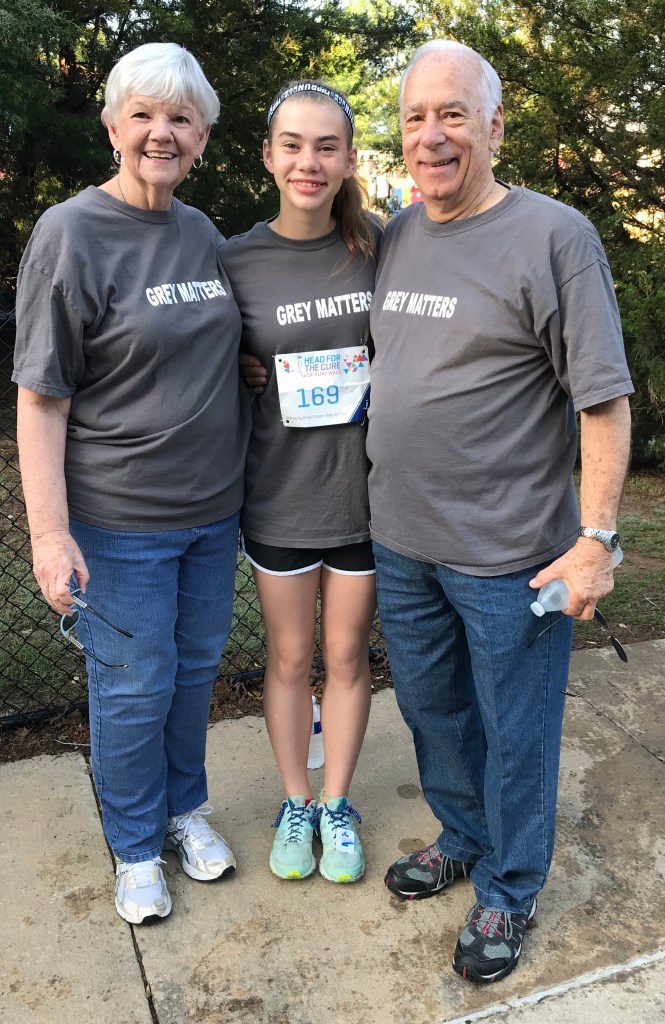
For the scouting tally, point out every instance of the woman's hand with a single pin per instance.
(253, 373)
(55, 558)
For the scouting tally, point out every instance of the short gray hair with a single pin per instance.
(490, 83)
(164, 71)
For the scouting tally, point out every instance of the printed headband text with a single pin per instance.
(323, 90)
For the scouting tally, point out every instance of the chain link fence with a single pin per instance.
(41, 675)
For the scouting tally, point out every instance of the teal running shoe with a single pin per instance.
(343, 859)
(291, 855)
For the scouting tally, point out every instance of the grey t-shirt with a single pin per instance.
(304, 487)
(128, 313)
(490, 332)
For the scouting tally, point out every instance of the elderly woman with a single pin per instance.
(132, 438)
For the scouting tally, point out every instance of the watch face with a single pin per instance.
(613, 541)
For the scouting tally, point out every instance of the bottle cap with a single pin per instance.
(537, 608)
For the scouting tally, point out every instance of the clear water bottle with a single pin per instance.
(553, 597)
(315, 757)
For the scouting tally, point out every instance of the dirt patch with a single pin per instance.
(634, 563)
(626, 634)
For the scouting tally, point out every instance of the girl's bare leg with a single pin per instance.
(348, 606)
(288, 605)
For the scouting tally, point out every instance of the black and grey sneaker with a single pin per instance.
(424, 873)
(490, 945)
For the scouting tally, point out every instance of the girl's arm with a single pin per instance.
(253, 373)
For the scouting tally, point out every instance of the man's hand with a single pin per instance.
(253, 373)
(56, 555)
(586, 570)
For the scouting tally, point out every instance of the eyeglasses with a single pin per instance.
(69, 620)
(602, 622)
(616, 643)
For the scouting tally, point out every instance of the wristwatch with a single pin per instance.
(608, 538)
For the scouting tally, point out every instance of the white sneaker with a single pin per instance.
(202, 852)
(140, 890)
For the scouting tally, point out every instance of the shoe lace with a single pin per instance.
(141, 873)
(298, 818)
(195, 828)
(429, 857)
(491, 922)
(341, 818)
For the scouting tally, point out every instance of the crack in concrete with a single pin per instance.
(581, 981)
(619, 725)
(147, 989)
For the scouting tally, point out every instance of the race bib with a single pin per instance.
(322, 389)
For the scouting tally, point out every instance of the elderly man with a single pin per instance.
(494, 321)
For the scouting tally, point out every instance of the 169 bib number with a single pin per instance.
(318, 396)
(324, 388)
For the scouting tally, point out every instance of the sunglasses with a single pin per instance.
(70, 619)
(602, 622)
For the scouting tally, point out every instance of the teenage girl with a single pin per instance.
(303, 282)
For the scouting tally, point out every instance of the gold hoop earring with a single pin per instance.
(117, 156)
(199, 165)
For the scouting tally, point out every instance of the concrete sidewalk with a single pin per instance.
(254, 949)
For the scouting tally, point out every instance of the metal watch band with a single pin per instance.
(608, 538)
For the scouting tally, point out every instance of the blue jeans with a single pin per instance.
(174, 591)
(485, 713)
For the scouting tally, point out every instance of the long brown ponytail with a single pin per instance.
(349, 209)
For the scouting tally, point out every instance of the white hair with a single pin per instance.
(164, 71)
(490, 83)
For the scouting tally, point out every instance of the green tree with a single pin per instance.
(249, 50)
(52, 60)
(55, 58)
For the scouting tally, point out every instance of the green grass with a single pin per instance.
(636, 607)
(635, 601)
(643, 536)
